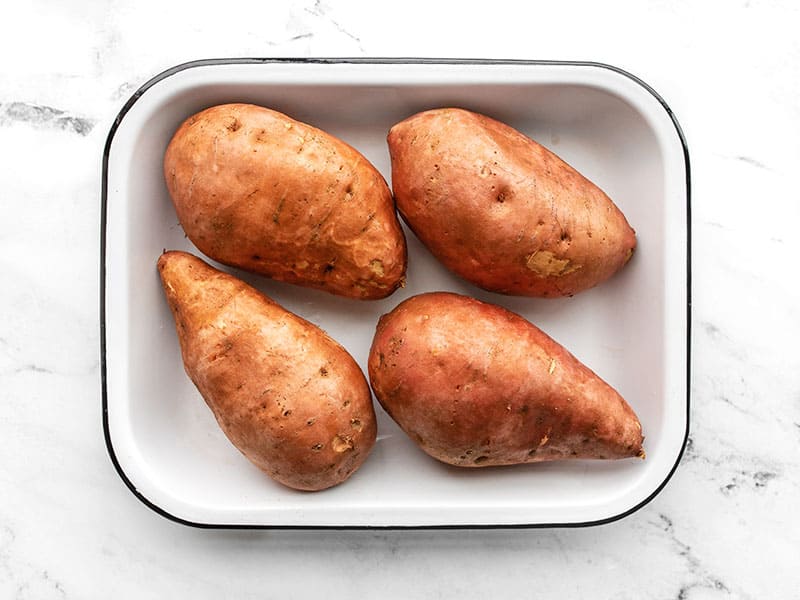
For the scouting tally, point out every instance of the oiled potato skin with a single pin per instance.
(256, 189)
(474, 385)
(290, 398)
(502, 211)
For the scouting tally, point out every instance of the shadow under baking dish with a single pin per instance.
(632, 330)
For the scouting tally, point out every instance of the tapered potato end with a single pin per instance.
(195, 291)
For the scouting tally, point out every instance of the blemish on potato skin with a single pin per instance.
(395, 343)
(276, 215)
(233, 125)
(342, 443)
(546, 264)
(370, 218)
(376, 266)
(221, 225)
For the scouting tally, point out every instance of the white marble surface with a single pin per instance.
(726, 526)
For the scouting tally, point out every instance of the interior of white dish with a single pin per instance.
(631, 330)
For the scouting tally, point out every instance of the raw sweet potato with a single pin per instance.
(476, 385)
(256, 189)
(290, 398)
(502, 211)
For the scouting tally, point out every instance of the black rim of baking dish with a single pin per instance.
(387, 61)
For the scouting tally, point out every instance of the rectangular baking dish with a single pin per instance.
(633, 330)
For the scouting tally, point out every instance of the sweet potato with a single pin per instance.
(502, 211)
(290, 398)
(476, 385)
(256, 189)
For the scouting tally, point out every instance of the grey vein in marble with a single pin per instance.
(321, 10)
(757, 479)
(295, 38)
(716, 335)
(7, 537)
(751, 161)
(124, 90)
(715, 224)
(33, 368)
(44, 116)
(699, 576)
(34, 587)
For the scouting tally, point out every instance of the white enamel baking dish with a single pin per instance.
(632, 330)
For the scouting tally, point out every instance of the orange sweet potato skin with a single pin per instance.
(502, 211)
(474, 384)
(256, 189)
(289, 397)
